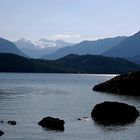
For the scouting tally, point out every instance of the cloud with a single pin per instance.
(66, 36)
(45, 43)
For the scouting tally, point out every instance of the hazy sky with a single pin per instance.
(71, 20)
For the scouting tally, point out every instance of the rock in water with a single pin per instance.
(1, 121)
(114, 113)
(12, 122)
(52, 123)
(1, 133)
(128, 84)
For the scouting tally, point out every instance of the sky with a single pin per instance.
(70, 20)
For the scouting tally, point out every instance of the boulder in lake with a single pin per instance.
(114, 113)
(1, 133)
(128, 84)
(52, 123)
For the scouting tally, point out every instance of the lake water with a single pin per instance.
(27, 98)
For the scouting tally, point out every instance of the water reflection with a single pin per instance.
(113, 127)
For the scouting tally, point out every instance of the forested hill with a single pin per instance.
(69, 64)
(98, 64)
(15, 63)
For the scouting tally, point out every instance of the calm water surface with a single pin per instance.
(27, 98)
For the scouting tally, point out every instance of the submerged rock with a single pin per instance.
(52, 123)
(128, 84)
(12, 122)
(83, 119)
(1, 133)
(114, 113)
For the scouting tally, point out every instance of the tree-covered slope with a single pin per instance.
(98, 64)
(69, 64)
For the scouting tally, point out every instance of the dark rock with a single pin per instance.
(1, 121)
(114, 113)
(128, 84)
(1, 133)
(52, 123)
(12, 122)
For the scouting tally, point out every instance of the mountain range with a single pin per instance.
(68, 64)
(124, 47)
(86, 47)
(40, 48)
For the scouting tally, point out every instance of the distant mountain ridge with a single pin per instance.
(129, 47)
(40, 48)
(7, 46)
(86, 47)
(93, 64)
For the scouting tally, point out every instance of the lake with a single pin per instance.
(27, 98)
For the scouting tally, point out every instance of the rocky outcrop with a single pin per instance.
(128, 84)
(114, 113)
(1, 133)
(52, 123)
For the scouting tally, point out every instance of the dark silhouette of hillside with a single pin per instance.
(69, 64)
